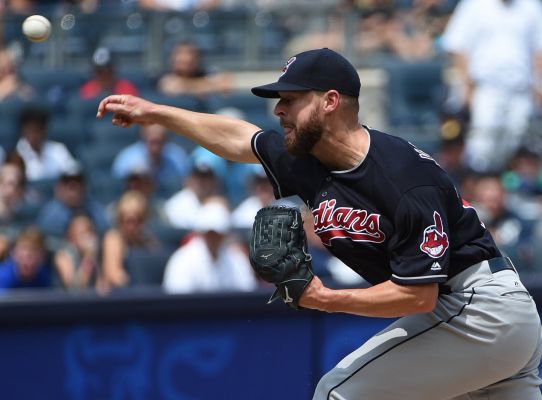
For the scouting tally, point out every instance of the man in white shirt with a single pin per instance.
(261, 195)
(496, 47)
(44, 159)
(210, 262)
(182, 209)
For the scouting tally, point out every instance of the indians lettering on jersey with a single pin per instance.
(435, 240)
(346, 223)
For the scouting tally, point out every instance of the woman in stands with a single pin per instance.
(128, 235)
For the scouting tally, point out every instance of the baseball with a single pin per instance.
(36, 28)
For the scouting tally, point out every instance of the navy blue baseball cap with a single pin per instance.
(320, 69)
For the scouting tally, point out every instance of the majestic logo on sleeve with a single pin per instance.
(346, 223)
(435, 240)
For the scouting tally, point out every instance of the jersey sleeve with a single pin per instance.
(419, 246)
(268, 146)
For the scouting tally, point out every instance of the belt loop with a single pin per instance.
(498, 264)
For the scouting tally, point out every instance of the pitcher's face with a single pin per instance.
(299, 117)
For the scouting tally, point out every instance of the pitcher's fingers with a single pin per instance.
(121, 120)
(116, 108)
(102, 107)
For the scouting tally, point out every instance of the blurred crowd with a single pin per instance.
(88, 206)
(406, 29)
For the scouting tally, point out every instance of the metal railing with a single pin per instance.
(240, 39)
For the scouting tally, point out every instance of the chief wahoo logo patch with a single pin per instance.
(287, 65)
(435, 240)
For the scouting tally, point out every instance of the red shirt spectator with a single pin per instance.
(105, 81)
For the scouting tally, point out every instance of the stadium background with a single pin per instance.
(140, 343)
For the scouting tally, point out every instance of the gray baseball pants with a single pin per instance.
(482, 341)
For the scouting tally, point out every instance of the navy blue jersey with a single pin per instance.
(395, 216)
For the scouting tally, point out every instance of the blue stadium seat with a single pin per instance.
(169, 236)
(98, 158)
(146, 268)
(69, 131)
(83, 110)
(143, 80)
(104, 133)
(44, 187)
(9, 128)
(102, 186)
(46, 79)
(188, 102)
(256, 110)
(415, 92)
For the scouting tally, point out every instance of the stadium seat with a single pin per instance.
(44, 187)
(169, 236)
(83, 110)
(47, 79)
(98, 158)
(9, 128)
(414, 92)
(256, 110)
(103, 132)
(188, 102)
(103, 187)
(143, 80)
(146, 268)
(70, 132)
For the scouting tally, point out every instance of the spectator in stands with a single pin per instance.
(32, 194)
(524, 173)
(210, 261)
(167, 161)
(22, 7)
(105, 80)
(188, 76)
(204, 181)
(71, 199)
(451, 152)
(78, 6)
(382, 30)
(409, 36)
(178, 5)
(44, 159)
(76, 260)
(140, 178)
(261, 195)
(15, 199)
(374, 28)
(11, 85)
(496, 49)
(512, 233)
(129, 233)
(27, 266)
(523, 182)
(18, 203)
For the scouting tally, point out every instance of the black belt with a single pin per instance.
(496, 264)
(500, 264)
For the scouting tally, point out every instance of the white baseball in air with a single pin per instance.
(36, 28)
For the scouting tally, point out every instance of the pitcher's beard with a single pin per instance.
(302, 140)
